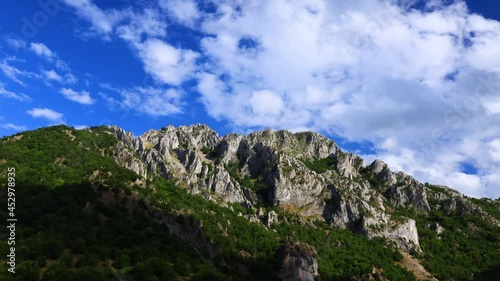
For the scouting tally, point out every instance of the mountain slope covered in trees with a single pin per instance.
(185, 204)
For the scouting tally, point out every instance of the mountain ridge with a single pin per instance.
(274, 179)
(276, 147)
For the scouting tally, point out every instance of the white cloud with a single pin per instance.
(15, 73)
(143, 30)
(52, 75)
(266, 103)
(166, 63)
(11, 95)
(366, 71)
(11, 72)
(70, 78)
(80, 127)
(102, 22)
(10, 126)
(146, 100)
(420, 85)
(184, 11)
(15, 43)
(150, 22)
(42, 50)
(82, 97)
(62, 65)
(494, 150)
(47, 114)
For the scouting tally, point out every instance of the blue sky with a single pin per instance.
(414, 83)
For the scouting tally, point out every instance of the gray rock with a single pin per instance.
(437, 228)
(382, 172)
(271, 219)
(348, 164)
(299, 263)
(405, 235)
(224, 169)
(409, 193)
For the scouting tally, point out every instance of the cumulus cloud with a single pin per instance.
(184, 11)
(401, 78)
(167, 63)
(82, 97)
(46, 113)
(143, 30)
(42, 50)
(421, 85)
(145, 100)
(149, 23)
(101, 22)
(52, 75)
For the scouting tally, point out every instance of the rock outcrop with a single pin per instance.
(269, 167)
(299, 263)
(405, 235)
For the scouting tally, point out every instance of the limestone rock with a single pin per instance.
(405, 235)
(409, 193)
(382, 172)
(299, 263)
(268, 167)
(271, 219)
(436, 227)
(349, 164)
(127, 159)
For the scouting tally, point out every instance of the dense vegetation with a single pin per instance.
(467, 249)
(82, 217)
(60, 155)
(68, 233)
(320, 165)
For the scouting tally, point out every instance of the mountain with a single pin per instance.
(187, 204)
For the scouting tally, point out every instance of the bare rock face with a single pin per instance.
(409, 192)
(405, 235)
(299, 263)
(298, 190)
(349, 164)
(127, 160)
(269, 167)
(222, 184)
(382, 172)
(452, 202)
(403, 190)
(346, 210)
(176, 154)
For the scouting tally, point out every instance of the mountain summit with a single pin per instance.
(293, 205)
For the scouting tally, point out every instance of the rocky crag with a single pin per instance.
(303, 173)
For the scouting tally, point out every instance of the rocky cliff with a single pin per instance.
(303, 173)
(299, 263)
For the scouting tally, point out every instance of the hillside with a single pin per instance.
(186, 204)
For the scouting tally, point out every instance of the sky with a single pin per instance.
(413, 83)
